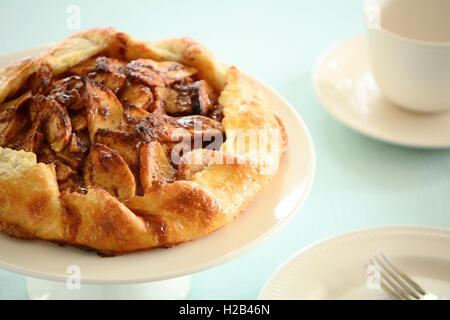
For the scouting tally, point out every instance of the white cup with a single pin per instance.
(409, 51)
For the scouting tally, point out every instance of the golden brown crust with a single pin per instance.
(29, 197)
(79, 47)
(103, 223)
(166, 212)
(13, 76)
(187, 210)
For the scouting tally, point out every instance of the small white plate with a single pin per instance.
(274, 207)
(335, 268)
(344, 84)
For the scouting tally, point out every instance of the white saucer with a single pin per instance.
(273, 208)
(335, 268)
(343, 83)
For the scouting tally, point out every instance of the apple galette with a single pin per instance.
(121, 145)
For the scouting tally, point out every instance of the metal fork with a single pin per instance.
(397, 284)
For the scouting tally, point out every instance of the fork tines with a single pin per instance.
(395, 282)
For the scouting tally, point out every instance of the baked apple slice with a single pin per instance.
(112, 80)
(176, 103)
(106, 70)
(12, 120)
(102, 64)
(29, 140)
(198, 127)
(56, 126)
(203, 96)
(137, 95)
(105, 168)
(67, 92)
(137, 70)
(84, 68)
(40, 81)
(79, 143)
(109, 72)
(155, 168)
(206, 98)
(75, 152)
(104, 109)
(127, 144)
(53, 119)
(79, 120)
(63, 171)
(132, 116)
(169, 71)
(176, 129)
(106, 64)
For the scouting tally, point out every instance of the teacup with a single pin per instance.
(409, 51)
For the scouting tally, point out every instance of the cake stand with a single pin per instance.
(56, 272)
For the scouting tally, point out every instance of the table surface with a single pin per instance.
(359, 182)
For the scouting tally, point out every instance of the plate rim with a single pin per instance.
(214, 262)
(345, 237)
(344, 120)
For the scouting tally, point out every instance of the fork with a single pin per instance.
(396, 283)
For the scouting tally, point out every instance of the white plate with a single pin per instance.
(344, 84)
(335, 268)
(275, 206)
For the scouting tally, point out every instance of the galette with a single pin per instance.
(120, 145)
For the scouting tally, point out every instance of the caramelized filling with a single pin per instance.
(112, 123)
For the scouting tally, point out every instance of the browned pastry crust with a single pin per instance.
(130, 196)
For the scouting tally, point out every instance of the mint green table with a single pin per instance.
(359, 182)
